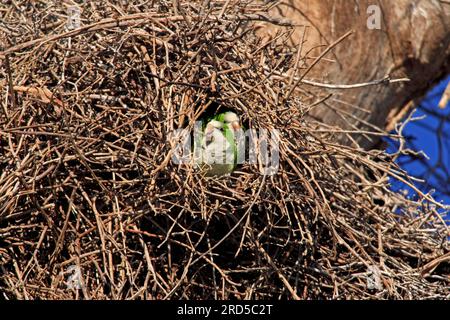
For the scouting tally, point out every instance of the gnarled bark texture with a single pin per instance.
(413, 42)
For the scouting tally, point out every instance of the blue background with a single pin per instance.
(432, 135)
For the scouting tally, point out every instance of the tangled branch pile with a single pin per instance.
(87, 181)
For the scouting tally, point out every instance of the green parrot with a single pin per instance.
(218, 147)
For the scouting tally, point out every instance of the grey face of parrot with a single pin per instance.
(212, 127)
(232, 120)
(230, 117)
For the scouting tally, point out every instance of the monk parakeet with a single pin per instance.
(218, 146)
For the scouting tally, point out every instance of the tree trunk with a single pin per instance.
(411, 41)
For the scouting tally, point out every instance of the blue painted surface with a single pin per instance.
(430, 134)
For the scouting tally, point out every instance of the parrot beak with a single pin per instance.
(235, 125)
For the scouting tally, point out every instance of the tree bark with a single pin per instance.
(412, 42)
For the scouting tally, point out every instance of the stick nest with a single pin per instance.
(88, 188)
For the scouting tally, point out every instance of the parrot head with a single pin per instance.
(231, 119)
(211, 127)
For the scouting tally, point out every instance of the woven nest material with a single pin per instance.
(89, 190)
